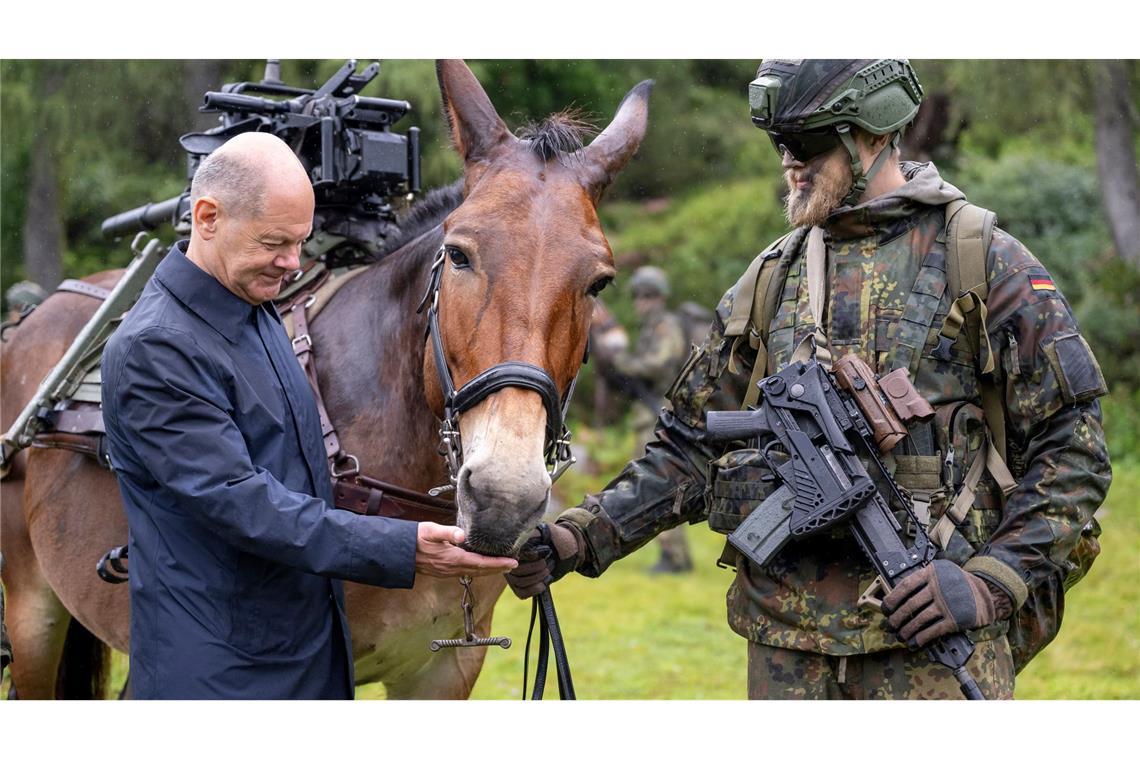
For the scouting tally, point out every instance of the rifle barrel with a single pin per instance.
(145, 217)
(228, 101)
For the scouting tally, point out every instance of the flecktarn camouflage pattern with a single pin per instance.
(886, 302)
(655, 359)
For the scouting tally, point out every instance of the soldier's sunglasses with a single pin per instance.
(804, 146)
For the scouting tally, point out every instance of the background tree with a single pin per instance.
(1116, 154)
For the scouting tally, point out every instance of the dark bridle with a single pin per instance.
(503, 375)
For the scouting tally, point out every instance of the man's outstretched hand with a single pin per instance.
(438, 554)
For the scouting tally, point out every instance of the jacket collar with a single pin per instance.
(886, 216)
(202, 294)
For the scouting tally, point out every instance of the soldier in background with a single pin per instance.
(644, 374)
(864, 272)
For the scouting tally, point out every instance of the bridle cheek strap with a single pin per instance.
(505, 375)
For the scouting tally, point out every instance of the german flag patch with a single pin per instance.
(1041, 282)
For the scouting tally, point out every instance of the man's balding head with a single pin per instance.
(247, 169)
(252, 207)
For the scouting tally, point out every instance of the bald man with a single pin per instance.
(236, 551)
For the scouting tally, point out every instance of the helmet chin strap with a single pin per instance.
(860, 179)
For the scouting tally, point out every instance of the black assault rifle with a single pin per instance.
(823, 431)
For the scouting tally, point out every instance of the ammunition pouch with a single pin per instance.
(738, 482)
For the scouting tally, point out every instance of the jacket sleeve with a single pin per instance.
(666, 486)
(1056, 443)
(169, 406)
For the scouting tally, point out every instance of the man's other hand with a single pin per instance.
(438, 554)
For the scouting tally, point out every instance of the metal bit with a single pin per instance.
(469, 638)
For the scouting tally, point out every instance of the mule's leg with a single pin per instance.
(37, 621)
(451, 674)
(37, 624)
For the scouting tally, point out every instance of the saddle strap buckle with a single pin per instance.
(353, 468)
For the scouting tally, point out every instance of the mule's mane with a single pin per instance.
(559, 135)
(426, 213)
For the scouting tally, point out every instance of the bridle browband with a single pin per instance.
(509, 374)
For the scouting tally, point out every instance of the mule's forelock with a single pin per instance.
(559, 136)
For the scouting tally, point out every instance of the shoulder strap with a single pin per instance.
(755, 299)
(746, 288)
(969, 229)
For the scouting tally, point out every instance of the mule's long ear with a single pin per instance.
(612, 149)
(475, 126)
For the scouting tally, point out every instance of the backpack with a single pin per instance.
(969, 230)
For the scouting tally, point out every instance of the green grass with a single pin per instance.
(630, 635)
(633, 636)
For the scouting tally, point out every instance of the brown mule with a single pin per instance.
(524, 256)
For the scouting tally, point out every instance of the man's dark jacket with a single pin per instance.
(234, 543)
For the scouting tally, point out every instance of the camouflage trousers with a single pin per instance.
(775, 673)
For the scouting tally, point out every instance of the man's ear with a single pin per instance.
(205, 214)
(871, 142)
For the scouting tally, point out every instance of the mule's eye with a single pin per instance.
(599, 285)
(458, 258)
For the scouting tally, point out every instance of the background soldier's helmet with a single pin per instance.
(24, 294)
(649, 281)
(880, 96)
(808, 108)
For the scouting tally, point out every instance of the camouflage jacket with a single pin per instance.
(658, 352)
(883, 256)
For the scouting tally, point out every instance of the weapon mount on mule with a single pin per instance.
(360, 169)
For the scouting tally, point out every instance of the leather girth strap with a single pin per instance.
(351, 490)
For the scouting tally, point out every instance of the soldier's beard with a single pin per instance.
(829, 185)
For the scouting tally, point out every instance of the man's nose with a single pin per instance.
(290, 259)
(788, 161)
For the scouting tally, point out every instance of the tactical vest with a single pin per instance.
(954, 467)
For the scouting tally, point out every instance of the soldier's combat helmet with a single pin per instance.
(808, 107)
(649, 281)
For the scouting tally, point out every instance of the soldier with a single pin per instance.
(865, 271)
(650, 366)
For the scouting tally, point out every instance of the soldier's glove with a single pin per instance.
(940, 599)
(549, 553)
